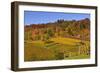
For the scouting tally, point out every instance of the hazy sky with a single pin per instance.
(37, 17)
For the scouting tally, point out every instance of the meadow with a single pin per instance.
(56, 49)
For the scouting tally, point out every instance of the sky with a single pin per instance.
(37, 17)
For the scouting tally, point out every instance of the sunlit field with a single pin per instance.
(56, 49)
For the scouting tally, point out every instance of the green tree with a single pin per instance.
(50, 33)
(70, 31)
(82, 26)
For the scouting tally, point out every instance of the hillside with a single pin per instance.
(57, 40)
(64, 28)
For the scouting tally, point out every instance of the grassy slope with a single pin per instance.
(39, 50)
(68, 41)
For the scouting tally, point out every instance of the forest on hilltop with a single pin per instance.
(79, 29)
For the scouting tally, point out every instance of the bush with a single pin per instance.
(60, 56)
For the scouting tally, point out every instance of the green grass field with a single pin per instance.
(57, 48)
(79, 57)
